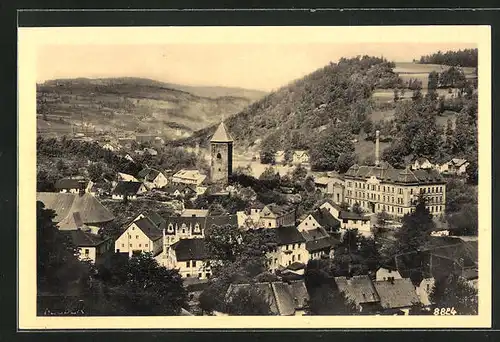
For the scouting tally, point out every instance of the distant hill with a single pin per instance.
(295, 114)
(138, 104)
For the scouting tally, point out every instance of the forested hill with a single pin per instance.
(460, 58)
(292, 117)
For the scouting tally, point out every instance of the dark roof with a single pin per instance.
(325, 218)
(70, 183)
(283, 298)
(129, 188)
(190, 249)
(295, 266)
(321, 244)
(156, 219)
(72, 222)
(81, 238)
(288, 235)
(172, 187)
(148, 174)
(398, 293)
(358, 288)
(89, 208)
(391, 175)
(149, 228)
(349, 215)
(280, 210)
(299, 292)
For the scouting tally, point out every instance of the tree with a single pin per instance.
(95, 171)
(368, 126)
(453, 292)
(248, 301)
(331, 143)
(345, 161)
(356, 208)
(382, 218)
(433, 80)
(412, 236)
(464, 222)
(299, 174)
(327, 300)
(268, 151)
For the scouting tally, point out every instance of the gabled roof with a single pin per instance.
(350, 215)
(321, 244)
(325, 218)
(149, 228)
(358, 288)
(458, 161)
(70, 183)
(72, 222)
(81, 238)
(391, 175)
(295, 266)
(398, 293)
(127, 187)
(173, 187)
(156, 219)
(288, 235)
(283, 298)
(190, 249)
(195, 213)
(221, 135)
(280, 210)
(323, 180)
(422, 160)
(90, 209)
(148, 174)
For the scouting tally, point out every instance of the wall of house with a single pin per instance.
(133, 239)
(285, 255)
(120, 197)
(384, 274)
(88, 253)
(361, 225)
(424, 290)
(193, 269)
(334, 211)
(69, 191)
(309, 223)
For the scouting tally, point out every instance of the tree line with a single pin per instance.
(463, 58)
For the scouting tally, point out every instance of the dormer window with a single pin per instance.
(170, 228)
(197, 228)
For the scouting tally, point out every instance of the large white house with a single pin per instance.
(189, 177)
(142, 235)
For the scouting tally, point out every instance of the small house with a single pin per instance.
(189, 257)
(456, 166)
(361, 291)
(189, 177)
(396, 296)
(422, 163)
(273, 215)
(152, 178)
(129, 189)
(291, 247)
(141, 235)
(300, 157)
(73, 185)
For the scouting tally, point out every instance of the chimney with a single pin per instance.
(377, 148)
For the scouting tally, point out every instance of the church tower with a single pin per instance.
(221, 151)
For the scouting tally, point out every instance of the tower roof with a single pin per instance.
(221, 135)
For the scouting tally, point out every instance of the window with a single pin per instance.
(187, 263)
(286, 247)
(123, 245)
(188, 275)
(207, 275)
(145, 245)
(269, 224)
(293, 257)
(86, 252)
(133, 227)
(137, 236)
(219, 156)
(298, 257)
(140, 245)
(130, 245)
(275, 261)
(194, 263)
(378, 196)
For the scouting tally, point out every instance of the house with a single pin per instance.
(351, 220)
(273, 215)
(284, 299)
(189, 177)
(332, 207)
(295, 268)
(320, 218)
(91, 212)
(183, 227)
(456, 166)
(396, 296)
(152, 178)
(384, 188)
(159, 141)
(179, 190)
(91, 247)
(422, 163)
(194, 213)
(73, 185)
(331, 186)
(128, 189)
(126, 177)
(128, 157)
(141, 235)
(300, 157)
(110, 147)
(387, 273)
(150, 151)
(189, 257)
(291, 247)
(360, 290)
(279, 157)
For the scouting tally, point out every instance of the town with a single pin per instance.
(214, 228)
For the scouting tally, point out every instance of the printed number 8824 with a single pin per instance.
(444, 311)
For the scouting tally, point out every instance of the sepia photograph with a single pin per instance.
(219, 172)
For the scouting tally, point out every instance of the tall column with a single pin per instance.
(377, 148)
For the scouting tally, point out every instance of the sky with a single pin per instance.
(260, 66)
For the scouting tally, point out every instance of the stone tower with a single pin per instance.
(221, 152)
